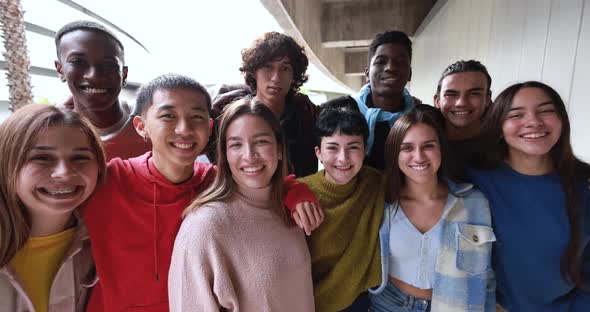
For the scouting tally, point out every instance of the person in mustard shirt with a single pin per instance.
(50, 163)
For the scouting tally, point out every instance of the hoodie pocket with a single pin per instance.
(155, 307)
(474, 248)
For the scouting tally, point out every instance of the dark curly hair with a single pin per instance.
(272, 46)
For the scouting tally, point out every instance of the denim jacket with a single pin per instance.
(464, 279)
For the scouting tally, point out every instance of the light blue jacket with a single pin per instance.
(464, 279)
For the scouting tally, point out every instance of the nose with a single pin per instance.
(183, 127)
(250, 152)
(461, 100)
(533, 120)
(90, 72)
(275, 74)
(342, 156)
(62, 169)
(419, 155)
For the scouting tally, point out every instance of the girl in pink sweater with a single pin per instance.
(237, 248)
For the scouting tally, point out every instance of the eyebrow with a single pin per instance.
(349, 143)
(51, 148)
(172, 107)
(236, 138)
(541, 104)
(468, 90)
(411, 143)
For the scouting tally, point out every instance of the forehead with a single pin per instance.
(62, 136)
(391, 50)
(89, 42)
(248, 124)
(420, 132)
(530, 97)
(341, 138)
(179, 98)
(464, 80)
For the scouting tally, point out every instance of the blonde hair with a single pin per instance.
(222, 187)
(18, 134)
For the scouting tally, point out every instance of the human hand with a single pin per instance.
(308, 216)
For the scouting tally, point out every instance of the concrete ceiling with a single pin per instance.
(336, 33)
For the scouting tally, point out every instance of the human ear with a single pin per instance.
(437, 101)
(60, 71)
(125, 71)
(318, 153)
(139, 125)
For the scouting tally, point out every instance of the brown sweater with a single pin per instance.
(240, 256)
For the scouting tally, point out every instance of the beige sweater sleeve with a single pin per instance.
(197, 280)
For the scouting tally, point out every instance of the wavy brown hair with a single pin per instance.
(18, 134)
(396, 179)
(271, 46)
(223, 187)
(562, 156)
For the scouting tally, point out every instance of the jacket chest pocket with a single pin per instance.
(474, 248)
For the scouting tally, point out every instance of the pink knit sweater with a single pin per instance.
(240, 256)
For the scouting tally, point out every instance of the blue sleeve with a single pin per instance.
(585, 205)
(490, 305)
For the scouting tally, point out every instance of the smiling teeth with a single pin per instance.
(183, 145)
(534, 135)
(460, 113)
(60, 191)
(252, 169)
(95, 90)
(419, 168)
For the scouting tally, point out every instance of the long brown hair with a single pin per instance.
(18, 134)
(396, 180)
(223, 186)
(562, 156)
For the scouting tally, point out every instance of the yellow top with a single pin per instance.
(37, 263)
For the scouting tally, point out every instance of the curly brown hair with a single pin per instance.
(271, 46)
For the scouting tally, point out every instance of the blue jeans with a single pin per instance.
(391, 299)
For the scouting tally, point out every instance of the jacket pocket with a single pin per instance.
(474, 248)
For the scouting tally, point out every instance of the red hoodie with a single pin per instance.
(133, 219)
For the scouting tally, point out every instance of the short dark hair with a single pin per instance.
(339, 118)
(167, 82)
(86, 26)
(392, 36)
(269, 47)
(465, 66)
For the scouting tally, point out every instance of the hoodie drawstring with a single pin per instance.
(155, 224)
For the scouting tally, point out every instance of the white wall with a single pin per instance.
(517, 40)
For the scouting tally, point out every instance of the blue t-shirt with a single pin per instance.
(532, 231)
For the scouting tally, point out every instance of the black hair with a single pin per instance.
(465, 66)
(339, 118)
(392, 36)
(167, 82)
(86, 26)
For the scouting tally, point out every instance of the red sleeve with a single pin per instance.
(297, 192)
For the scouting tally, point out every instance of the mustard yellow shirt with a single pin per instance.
(37, 263)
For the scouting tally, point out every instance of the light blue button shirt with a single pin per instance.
(412, 254)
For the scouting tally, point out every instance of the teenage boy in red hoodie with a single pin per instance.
(133, 218)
